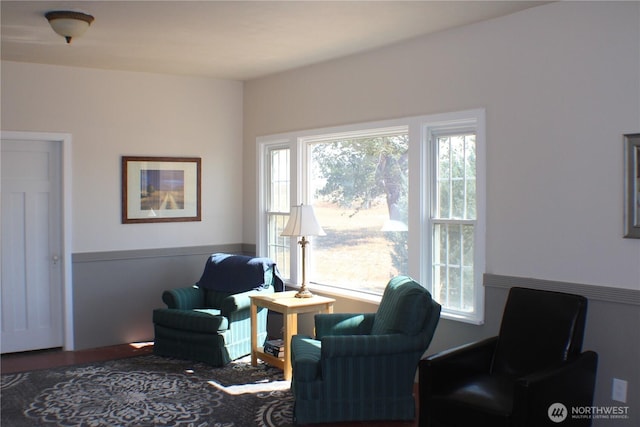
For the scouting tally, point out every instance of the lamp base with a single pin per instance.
(304, 293)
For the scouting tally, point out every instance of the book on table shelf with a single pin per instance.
(274, 347)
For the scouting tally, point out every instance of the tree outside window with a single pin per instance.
(360, 189)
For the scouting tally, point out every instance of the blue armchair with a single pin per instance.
(362, 367)
(210, 322)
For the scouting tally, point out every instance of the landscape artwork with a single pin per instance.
(637, 188)
(160, 189)
(632, 186)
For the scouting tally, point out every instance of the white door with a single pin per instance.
(31, 294)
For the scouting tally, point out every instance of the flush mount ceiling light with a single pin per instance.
(69, 24)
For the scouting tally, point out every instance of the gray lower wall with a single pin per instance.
(115, 293)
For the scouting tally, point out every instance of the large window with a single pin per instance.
(359, 189)
(396, 197)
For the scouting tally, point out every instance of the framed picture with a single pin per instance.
(160, 189)
(632, 185)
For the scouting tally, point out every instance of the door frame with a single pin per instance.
(64, 139)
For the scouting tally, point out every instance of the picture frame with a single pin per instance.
(632, 186)
(160, 189)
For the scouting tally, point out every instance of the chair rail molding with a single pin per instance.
(593, 292)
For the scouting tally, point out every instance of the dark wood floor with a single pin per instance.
(43, 359)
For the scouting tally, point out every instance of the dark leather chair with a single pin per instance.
(514, 378)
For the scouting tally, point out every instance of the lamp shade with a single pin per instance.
(302, 222)
(69, 24)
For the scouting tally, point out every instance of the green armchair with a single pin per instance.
(210, 322)
(362, 367)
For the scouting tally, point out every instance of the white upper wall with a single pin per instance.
(560, 84)
(110, 114)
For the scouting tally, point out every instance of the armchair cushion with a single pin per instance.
(239, 273)
(450, 366)
(366, 345)
(402, 308)
(197, 320)
(306, 357)
(184, 298)
(343, 324)
(493, 393)
(237, 302)
(571, 383)
(539, 329)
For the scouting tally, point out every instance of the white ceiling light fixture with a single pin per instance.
(69, 24)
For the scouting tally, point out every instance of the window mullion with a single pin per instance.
(464, 177)
(447, 266)
(461, 265)
(450, 177)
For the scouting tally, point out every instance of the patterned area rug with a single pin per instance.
(148, 391)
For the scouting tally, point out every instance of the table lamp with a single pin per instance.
(303, 222)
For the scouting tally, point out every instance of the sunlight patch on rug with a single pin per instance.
(264, 387)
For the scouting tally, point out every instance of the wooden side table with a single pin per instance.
(290, 306)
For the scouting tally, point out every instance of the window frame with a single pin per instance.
(421, 130)
(265, 147)
(465, 122)
(269, 196)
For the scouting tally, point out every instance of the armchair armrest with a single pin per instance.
(440, 369)
(571, 383)
(184, 298)
(366, 345)
(343, 324)
(241, 301)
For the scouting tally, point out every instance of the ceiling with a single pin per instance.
(238, 40)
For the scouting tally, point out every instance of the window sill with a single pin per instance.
(334, 292)
(461, 318)
(331, 291)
